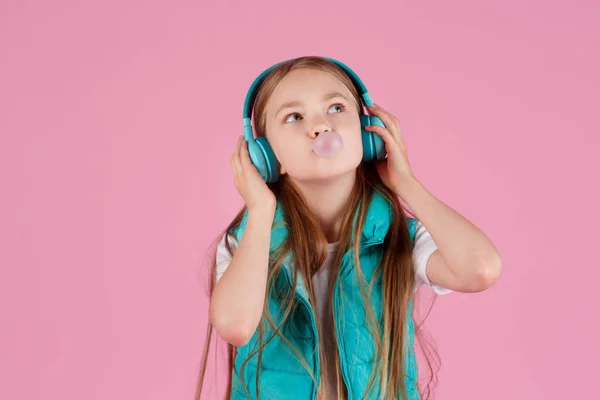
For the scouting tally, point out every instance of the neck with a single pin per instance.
(327, 200)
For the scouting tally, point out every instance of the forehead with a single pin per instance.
(305, 85)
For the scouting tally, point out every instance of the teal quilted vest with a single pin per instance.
(282, 375)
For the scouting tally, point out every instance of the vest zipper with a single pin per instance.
(315, 333)
(336, 306)
(341, 347)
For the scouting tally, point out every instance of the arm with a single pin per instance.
(466, 260)
(238, 298)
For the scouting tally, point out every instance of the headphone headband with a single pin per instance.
(260, 151)
(251, 95)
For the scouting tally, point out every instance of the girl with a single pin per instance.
(313, 281)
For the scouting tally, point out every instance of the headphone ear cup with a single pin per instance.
(367, 141)
(268, 169)
(373, 144)
(254, 152)
(378, 143)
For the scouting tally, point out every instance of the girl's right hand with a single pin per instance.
(247, 180)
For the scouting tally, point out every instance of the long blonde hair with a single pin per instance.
(309, 250)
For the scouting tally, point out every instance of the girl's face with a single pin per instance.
(306, 103)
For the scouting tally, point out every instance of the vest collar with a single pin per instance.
(376, 226)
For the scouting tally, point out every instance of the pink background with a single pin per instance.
(117, 122)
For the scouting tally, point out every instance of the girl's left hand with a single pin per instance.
(395, 169)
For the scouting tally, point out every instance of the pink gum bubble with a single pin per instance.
(327, 144)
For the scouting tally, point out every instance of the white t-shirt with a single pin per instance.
(423, 248)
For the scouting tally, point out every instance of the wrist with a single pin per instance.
(264, 211)
(408, 184)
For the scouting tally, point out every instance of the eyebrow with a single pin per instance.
(327, 96)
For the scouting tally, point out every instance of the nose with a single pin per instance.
(319, 125)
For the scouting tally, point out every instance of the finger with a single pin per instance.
(235, 158)
(239, 147)
(391, 116)
(244, 155)
(388, 119)
(234, 166)
(385, 134)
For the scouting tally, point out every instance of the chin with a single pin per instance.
(324, 171)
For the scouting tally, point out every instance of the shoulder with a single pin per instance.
(424, 247)
(222, 253)
(418, 232)
(412, 225)
(423, 243)
(223, 256)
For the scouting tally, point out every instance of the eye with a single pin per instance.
(338, 107)
(290, 118)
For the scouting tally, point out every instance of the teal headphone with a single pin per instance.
(260, 151)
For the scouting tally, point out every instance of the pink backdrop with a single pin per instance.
(117, 122)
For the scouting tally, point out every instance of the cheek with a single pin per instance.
(286, 155)
(287, 148)
(346, 122)
(351, 132)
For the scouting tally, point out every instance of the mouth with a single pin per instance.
(327, 144)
